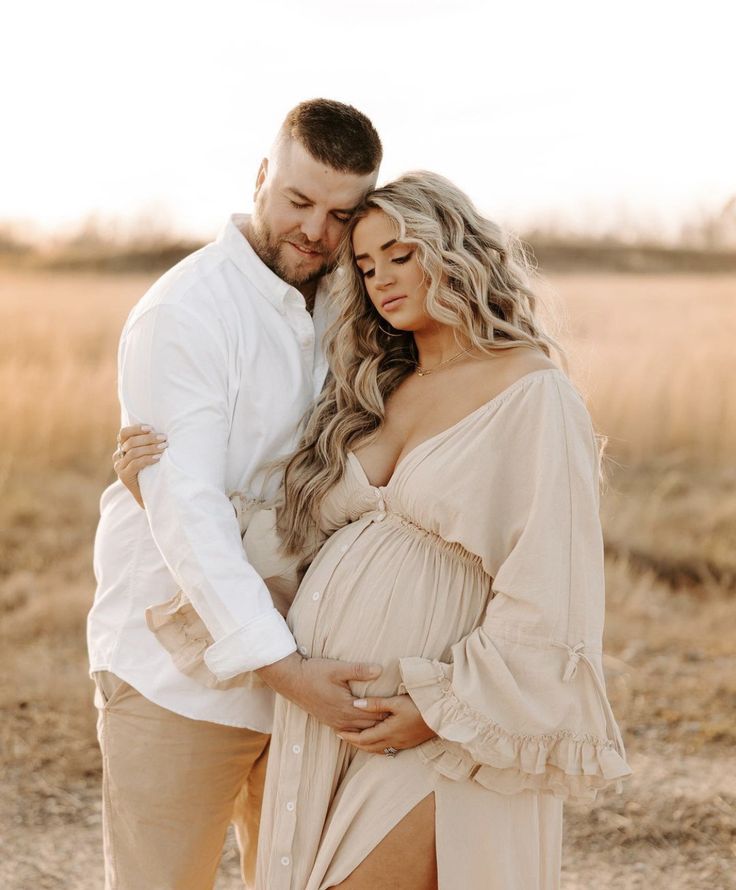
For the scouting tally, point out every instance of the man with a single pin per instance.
(223, 355)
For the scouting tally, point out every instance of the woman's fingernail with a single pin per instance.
(340, 736)
(360, 703)
(161, 438)
(162, 446)
(156, 457)
(147, 429)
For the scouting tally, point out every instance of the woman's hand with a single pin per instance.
(138, 447)
(402, 728)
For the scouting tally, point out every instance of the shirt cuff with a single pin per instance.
(264, 640)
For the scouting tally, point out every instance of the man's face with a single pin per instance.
(301, 208)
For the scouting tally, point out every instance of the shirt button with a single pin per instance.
(297, 749)
(345, 548)
(284, 860)
(315, 595)
(302, 650)
(290, 806)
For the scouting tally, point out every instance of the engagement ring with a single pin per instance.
(390, 752)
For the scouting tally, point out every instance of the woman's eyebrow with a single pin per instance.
(385, 246)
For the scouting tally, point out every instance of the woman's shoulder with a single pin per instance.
(529, 383)
(506, 369)
(513, 363)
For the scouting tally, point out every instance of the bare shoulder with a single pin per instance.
(506, 366)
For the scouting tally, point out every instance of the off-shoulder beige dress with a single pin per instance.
(475, 578)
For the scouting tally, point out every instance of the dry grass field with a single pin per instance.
(653, 354)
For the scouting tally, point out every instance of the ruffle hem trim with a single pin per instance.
(572, 766)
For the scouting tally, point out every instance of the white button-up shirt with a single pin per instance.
(223, 357)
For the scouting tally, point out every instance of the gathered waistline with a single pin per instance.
(452, 548)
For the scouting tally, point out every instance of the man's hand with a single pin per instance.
(321, 687)
(402, 728)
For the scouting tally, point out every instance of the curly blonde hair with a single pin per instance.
(479, 283)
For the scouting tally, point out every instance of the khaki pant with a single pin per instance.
(171, 786)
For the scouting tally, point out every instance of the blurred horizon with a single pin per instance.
(702, 228)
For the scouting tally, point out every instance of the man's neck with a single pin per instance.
(309, 292)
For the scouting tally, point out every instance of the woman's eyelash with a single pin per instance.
(397, 259)
(296, 204)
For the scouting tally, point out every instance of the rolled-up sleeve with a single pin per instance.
(175, 374)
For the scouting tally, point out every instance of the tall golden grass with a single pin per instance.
(58, 339)
(653, 354)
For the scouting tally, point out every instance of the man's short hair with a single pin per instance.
(336, 134)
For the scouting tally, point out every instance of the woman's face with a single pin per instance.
(393, 278)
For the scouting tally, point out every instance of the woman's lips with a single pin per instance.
(392, 303)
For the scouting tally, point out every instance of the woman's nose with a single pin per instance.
(384, 277)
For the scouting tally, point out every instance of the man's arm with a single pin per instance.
(174, 376)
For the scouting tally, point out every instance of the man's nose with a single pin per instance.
(314, 225)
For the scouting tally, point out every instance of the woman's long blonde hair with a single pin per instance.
(479, 283)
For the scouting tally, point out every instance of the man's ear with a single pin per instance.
(261, 177)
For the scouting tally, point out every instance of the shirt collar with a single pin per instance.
(234, 243)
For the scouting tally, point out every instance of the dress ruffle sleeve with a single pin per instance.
(522, 702)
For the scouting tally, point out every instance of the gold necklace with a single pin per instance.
(422, 372)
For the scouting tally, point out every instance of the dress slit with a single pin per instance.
(376, 799)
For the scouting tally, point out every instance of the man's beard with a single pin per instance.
(269, 249)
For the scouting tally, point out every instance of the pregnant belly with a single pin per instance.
(395, 592)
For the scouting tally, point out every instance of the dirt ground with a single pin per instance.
(682, 842)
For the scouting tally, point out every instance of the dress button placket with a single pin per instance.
(295, 728)
(290, 782)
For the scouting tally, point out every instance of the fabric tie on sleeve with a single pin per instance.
(577, 654)
(572, 664)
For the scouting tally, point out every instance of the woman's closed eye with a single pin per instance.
(399, 260)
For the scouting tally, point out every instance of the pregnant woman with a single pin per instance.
(449, 472)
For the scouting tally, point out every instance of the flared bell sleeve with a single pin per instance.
(522, 702)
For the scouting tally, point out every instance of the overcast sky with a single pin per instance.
(588, 112)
